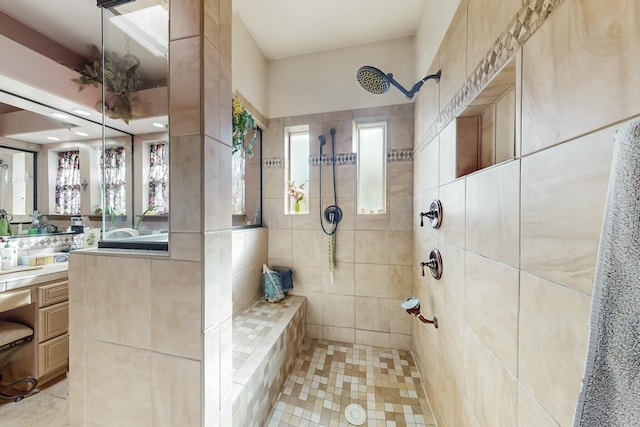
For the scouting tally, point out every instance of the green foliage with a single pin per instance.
(121, 78)
(243, 123)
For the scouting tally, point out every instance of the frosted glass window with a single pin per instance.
(371, 146)
(297, 162)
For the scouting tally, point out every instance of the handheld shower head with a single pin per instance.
(375, 81)
(322, 140)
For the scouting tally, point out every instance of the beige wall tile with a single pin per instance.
(553, 342)
(399, 320)
(447, 162)
(212, 88)
(211, 371)
(212, 21)
(400, 281)
(334, 333)
(372, 222)
(505, 126)
(561, 228)
(77, 276)
(372, 280)
(211, 282)
(452, 197)
(186, 246)
(314, 331)
(400, 213)
(400, 247)
(343, 136)
(176, 307)
(117, 306)
(76, 381)
(343, 278)
(487, 20)
(184, 104)
(273, 183)
(491, 390)
(491, 298)
(451, 286)
(274, 216)
(226, 363)
(106, 404)
(584, 37)
(273, 142)
(400, 178)
(487, 148)
(345, 246)
(309, 247)
(333, 116)
(422, 204)
(493, 211)
(372, 314)
(238, 260)
(401, 130)
(467, 136)
(376, 339)
(280, 244)
(308, 278)
(453, 56)
(530, 413)
(224, 308)
(372, 247)
(213, 186)
(400, 341)
(372, 112)
(338, 310)
(431, 93)
(428, 174)
(185, 188)
(173, 380)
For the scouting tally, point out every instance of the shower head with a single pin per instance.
(3, 165)
(375, 81)
(322, 140)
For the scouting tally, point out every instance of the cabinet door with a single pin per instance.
(53, 321)
(53, 355)
(53, 293)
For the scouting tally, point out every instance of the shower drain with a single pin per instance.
(355, 414)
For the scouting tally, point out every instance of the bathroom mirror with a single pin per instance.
(17, 180)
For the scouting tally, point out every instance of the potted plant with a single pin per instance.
(121, 80)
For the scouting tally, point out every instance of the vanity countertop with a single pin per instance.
(28, 276)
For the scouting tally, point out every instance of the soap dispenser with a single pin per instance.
(7, 255)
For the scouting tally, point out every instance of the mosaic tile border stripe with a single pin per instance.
(393, 155)
(528, 19)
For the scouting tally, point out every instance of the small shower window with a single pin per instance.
(296, 200)
(370, 144)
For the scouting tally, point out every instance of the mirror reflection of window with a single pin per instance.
(68, 183)
(114, 168)
(159, 178)
(238, 183)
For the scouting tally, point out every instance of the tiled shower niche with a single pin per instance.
(485, 130)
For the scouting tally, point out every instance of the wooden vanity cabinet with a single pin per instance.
(52, 334)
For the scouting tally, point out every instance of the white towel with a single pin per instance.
(610, 394)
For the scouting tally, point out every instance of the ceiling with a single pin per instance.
(281, 28)
(284, 28)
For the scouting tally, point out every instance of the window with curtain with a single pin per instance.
(68, 183)
(114, 169)
(159, 178)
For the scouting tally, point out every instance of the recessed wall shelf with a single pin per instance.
(485, 130)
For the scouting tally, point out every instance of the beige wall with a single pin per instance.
(150, 335)
(519, 239)
(373, 261)
(249, 253)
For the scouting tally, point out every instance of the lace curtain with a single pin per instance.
(68, 183)
(158, 178)
(114, 168)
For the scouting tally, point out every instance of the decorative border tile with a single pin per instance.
(400, 155)
(528, 19)
(273, 163)
(341, 159)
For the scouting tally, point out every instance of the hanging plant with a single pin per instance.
(244, 129)
(121, 77)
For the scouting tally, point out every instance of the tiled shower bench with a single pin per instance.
(267, 338)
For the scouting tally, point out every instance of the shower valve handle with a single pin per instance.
(430, 215)
(434, 263)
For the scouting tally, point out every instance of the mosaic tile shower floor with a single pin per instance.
(328, 376)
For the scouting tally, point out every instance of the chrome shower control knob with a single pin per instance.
(434, 263)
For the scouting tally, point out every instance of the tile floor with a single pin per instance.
(330, 375)
(47, 408)
(327, 377)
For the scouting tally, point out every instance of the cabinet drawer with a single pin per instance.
(53, 293)
(53, 355)
(53, 321)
